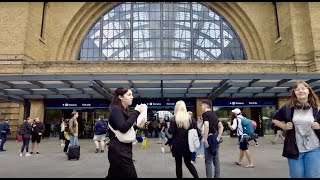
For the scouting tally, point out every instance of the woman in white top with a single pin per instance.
(61, 135)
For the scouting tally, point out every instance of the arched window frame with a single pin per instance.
(191, 57)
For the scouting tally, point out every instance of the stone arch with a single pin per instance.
(89, 13)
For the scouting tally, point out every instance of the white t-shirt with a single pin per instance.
(234, 125)
(62, 127)
(306, 138)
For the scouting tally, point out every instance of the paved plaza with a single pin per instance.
(150, 163)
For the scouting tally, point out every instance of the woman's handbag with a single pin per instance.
(128, 137)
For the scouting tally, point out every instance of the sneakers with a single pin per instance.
(28, 154)
(97, 150)
(162, 149)
(37, 153)
(31, 152)
(102, 151)
(257, 144)
(20, 154)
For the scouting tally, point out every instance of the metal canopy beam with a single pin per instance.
(8, 98)
(8, 84)
(188, 89)
(191, 88)
(95, 86)
(102, 85)
(41, 85)
(161, 86)
(220, 90)
(71, 85)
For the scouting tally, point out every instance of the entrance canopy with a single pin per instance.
(18, 87)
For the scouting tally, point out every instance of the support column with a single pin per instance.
(198, 107)
(37, 109)
(282, 101)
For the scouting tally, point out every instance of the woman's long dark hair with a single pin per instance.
(120, 91)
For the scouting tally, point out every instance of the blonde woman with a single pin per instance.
(179, 127)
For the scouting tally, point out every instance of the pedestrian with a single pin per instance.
(99, 135)
(27, 130)
(37, 131)
(211, 125)
(243, 145)
(74, 129)
(4, 131)
(61, 135)
(179, 128)
(300, 118)
(119, 153)
(194, 124)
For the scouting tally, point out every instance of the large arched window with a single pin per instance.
(161, 31)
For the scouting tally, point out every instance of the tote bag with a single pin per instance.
(128, 137)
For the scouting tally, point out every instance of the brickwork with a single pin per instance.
(22, 50)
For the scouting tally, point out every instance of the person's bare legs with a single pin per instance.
(37, 145)
(240, 156)
(249, 157)
(97, 144)
(33, 146)
(102, 146)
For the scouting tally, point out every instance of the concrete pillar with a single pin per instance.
(37, 109)
(282, 101)
(198, 107)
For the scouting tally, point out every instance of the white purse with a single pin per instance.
(128, 137)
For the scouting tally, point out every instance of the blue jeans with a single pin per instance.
(307, 166)
(193, 156)
(202, 147)
(73, 140)
(209, 159)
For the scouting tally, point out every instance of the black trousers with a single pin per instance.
(66, 144)
(3, 140)
(120, 159)
(25, 144)
(187, 162)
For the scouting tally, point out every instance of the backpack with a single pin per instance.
(247, 126)
(193, 140)
(21, 130)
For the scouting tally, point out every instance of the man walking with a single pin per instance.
(99, 135)
(4, 130)
(211, 125)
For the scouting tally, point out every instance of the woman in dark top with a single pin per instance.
(120, 154)
(179, 127)
(300, 118)
(26, 136)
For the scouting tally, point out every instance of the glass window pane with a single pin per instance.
(149, 26)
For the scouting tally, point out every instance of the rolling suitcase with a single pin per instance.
(74, 152)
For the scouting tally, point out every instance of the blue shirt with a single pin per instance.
(100, 128)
